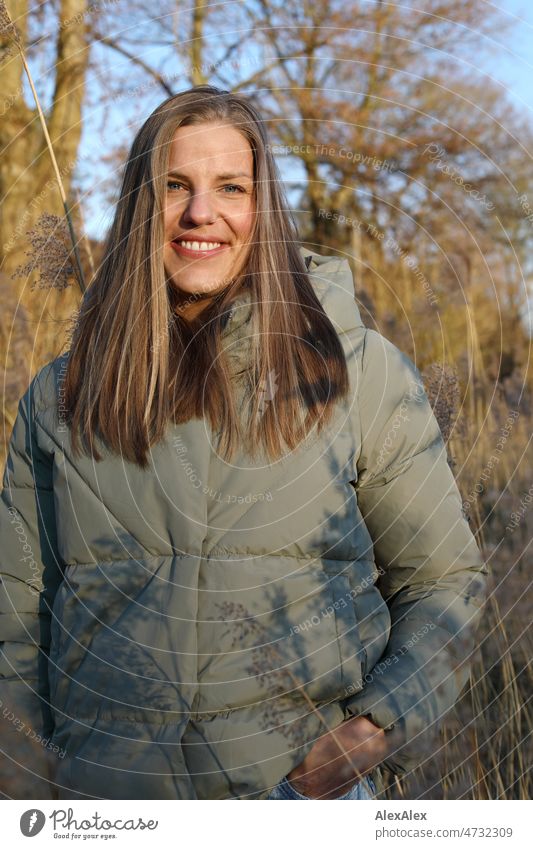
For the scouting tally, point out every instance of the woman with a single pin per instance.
(247, 574)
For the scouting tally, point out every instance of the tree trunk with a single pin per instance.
(38, 319)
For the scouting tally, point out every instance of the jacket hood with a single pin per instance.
(334, 286)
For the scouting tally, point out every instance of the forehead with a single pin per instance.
(210, 147)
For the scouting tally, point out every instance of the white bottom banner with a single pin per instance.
(174, 823)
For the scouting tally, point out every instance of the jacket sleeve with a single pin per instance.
(29, 577)
(432, 575)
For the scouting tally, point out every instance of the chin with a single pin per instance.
(197, 287)
(200, 287)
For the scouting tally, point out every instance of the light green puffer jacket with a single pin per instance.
(210, 620)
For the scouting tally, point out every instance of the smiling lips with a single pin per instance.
(198, 248)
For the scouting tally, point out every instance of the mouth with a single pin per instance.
(198, 248)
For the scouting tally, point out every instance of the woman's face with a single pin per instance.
(209, 199)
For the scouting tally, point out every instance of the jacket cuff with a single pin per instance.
(377, 703)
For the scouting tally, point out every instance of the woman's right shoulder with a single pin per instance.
(46, 385)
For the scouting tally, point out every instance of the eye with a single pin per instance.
(232, 186)
(171, 184)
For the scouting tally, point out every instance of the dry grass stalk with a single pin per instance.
(442, 388)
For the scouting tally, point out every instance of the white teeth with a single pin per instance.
(200, 246)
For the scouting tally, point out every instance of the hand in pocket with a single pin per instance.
(340, 758)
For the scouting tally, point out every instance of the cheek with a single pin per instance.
(243, 223)
(169, 218)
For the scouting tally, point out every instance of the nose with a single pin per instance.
(201, 208)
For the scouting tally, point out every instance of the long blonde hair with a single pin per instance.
(134, 362)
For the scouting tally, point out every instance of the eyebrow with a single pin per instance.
(219, 176)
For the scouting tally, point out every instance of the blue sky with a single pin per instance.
(513, 63)
(510, 64)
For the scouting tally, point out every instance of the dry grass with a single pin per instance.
(49, 254)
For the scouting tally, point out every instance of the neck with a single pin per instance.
(190, 305)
